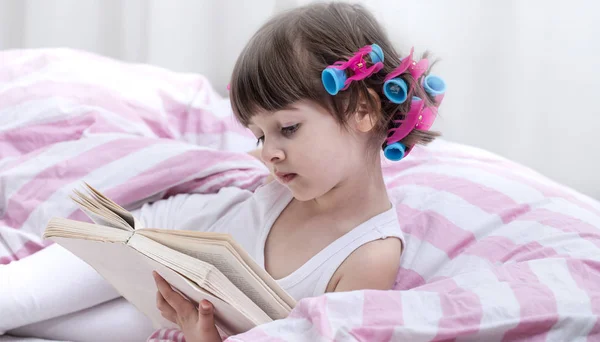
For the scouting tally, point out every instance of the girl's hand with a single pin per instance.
(198, 325)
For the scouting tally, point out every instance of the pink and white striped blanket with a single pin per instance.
(494, 250)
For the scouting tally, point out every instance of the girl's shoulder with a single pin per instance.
(374, 265)
(373, 259)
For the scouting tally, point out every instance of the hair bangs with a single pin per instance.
(272, 73)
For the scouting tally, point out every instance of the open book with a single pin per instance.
(199, 265)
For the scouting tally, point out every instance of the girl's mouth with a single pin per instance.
(285, 178)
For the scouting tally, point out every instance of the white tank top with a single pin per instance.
(248, 217)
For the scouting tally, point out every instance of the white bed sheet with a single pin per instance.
(124, 322)
(8, 338)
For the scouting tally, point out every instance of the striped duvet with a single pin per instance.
(495, 251)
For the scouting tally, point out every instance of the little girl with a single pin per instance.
(323, 91)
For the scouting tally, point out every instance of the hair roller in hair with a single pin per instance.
(435, 86)
(396, 90)
(334, 77)
(395, 151)
(376, 54)
(333, 80)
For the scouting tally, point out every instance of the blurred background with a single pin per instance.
(523, 76)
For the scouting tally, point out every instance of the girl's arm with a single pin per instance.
(197, 324)
(372, 266)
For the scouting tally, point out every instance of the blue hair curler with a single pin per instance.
(434, 85)
(376, 54)
(334, 76)
(396, 90)
(395, 151)
(333, 80)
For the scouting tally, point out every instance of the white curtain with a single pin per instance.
(523, 76)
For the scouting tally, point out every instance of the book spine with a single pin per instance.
(129, 238)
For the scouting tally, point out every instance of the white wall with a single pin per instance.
(523, 76)
(185, 35)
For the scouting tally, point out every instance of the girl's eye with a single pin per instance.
(289, 130)
(286, 131)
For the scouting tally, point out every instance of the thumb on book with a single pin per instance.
(206, 315)
(206, 321)
(206, 307)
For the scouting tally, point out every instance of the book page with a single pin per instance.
(204, 274)
(217, 254)
(130, 273)
(61, 227)
(194, 237)
(97, 213)
(102, 210)
(114, 207)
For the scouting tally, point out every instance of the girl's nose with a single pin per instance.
(271, 153)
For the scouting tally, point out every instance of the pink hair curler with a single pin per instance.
(334, 76)
(407, 124)
(419, 116)
(394, 87)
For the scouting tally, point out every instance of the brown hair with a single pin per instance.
(283, 61)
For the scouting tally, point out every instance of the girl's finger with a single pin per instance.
(182, 306)
(206, 321)
(170, 317)
(165, 309)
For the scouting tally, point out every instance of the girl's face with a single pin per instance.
(307, 150)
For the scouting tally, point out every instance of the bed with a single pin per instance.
(495, 251)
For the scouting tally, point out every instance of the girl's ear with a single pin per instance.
(368, 112)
